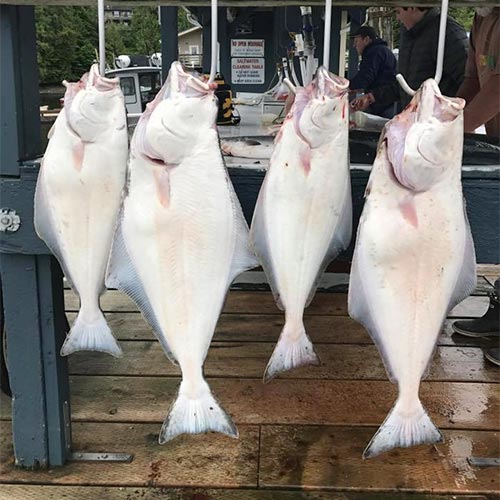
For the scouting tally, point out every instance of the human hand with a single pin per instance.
(362, 102)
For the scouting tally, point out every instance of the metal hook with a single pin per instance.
(328, 30)
(102, 37)
(290, 85)
(440, 53)
(213, 28)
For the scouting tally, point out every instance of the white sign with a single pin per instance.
(247, 48)
(249, 70)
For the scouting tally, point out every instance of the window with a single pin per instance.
(149, 84)
(128, 88)
(194, 49)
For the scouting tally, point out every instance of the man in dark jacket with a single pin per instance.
(377, 67)
(418, 54)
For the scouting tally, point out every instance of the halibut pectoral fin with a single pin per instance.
(467, 279)
(358, 304)
(46, 230)
(260, 244)
(121, 274)
(402, 430)
(340, 241)
(189, 415)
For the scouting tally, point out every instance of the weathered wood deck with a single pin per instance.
(301, 435)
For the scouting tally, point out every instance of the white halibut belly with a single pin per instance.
(182, 252)
(301, 211)
(410, 274)
(83, 205)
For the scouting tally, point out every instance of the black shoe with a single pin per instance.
(493, 355)
(486, 326)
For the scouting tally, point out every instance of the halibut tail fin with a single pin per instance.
(91, 336)
(190, 415)
(402, 430)
(294, 349)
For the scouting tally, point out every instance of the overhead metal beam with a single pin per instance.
(259, 3)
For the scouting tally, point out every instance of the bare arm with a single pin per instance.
(469, 88)
(484, 106)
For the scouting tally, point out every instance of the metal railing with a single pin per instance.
(191, 59)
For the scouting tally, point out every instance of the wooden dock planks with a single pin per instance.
(330, 457)
(306, 457)
(263, 303)
(303, 431)
(208, 460)
(249, 360)
(30, 492)
(267, 327)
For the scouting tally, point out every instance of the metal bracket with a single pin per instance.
(484, 462)
(67, 426)
(101, 457)
(9, 220)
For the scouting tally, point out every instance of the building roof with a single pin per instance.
(190, 30)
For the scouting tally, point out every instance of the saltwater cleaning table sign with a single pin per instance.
(247, 61)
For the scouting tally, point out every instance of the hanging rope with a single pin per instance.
(213, 47)
(440, 52)
(102, 37)
(328, 30)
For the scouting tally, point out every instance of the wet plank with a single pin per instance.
(23, 492)
(330, 457)
(219, 461)
(316, 402)
(489, 271)
(249, 360)
(236, 302)
(263, 303)
(267, 327)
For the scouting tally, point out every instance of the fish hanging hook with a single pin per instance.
(440, 53)
(102, 37)
(328, 30)
(213, 31)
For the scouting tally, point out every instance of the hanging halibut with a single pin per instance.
(303, 215)
(181, 240)
(78, 197)
(414, 258)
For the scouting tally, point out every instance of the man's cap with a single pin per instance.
(365, 31)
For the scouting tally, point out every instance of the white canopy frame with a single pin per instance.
(102, 37)
(213, 47)
(327, 36)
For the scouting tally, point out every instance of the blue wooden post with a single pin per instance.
(30, 277)
(169, 39)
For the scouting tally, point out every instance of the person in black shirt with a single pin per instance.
(377, 67)
(418, 56)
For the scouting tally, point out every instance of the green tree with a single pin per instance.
(463, 16)
(115, 40)
(182, 20)
(146, 30)
(66, 39)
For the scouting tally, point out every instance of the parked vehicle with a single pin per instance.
(139, 84)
